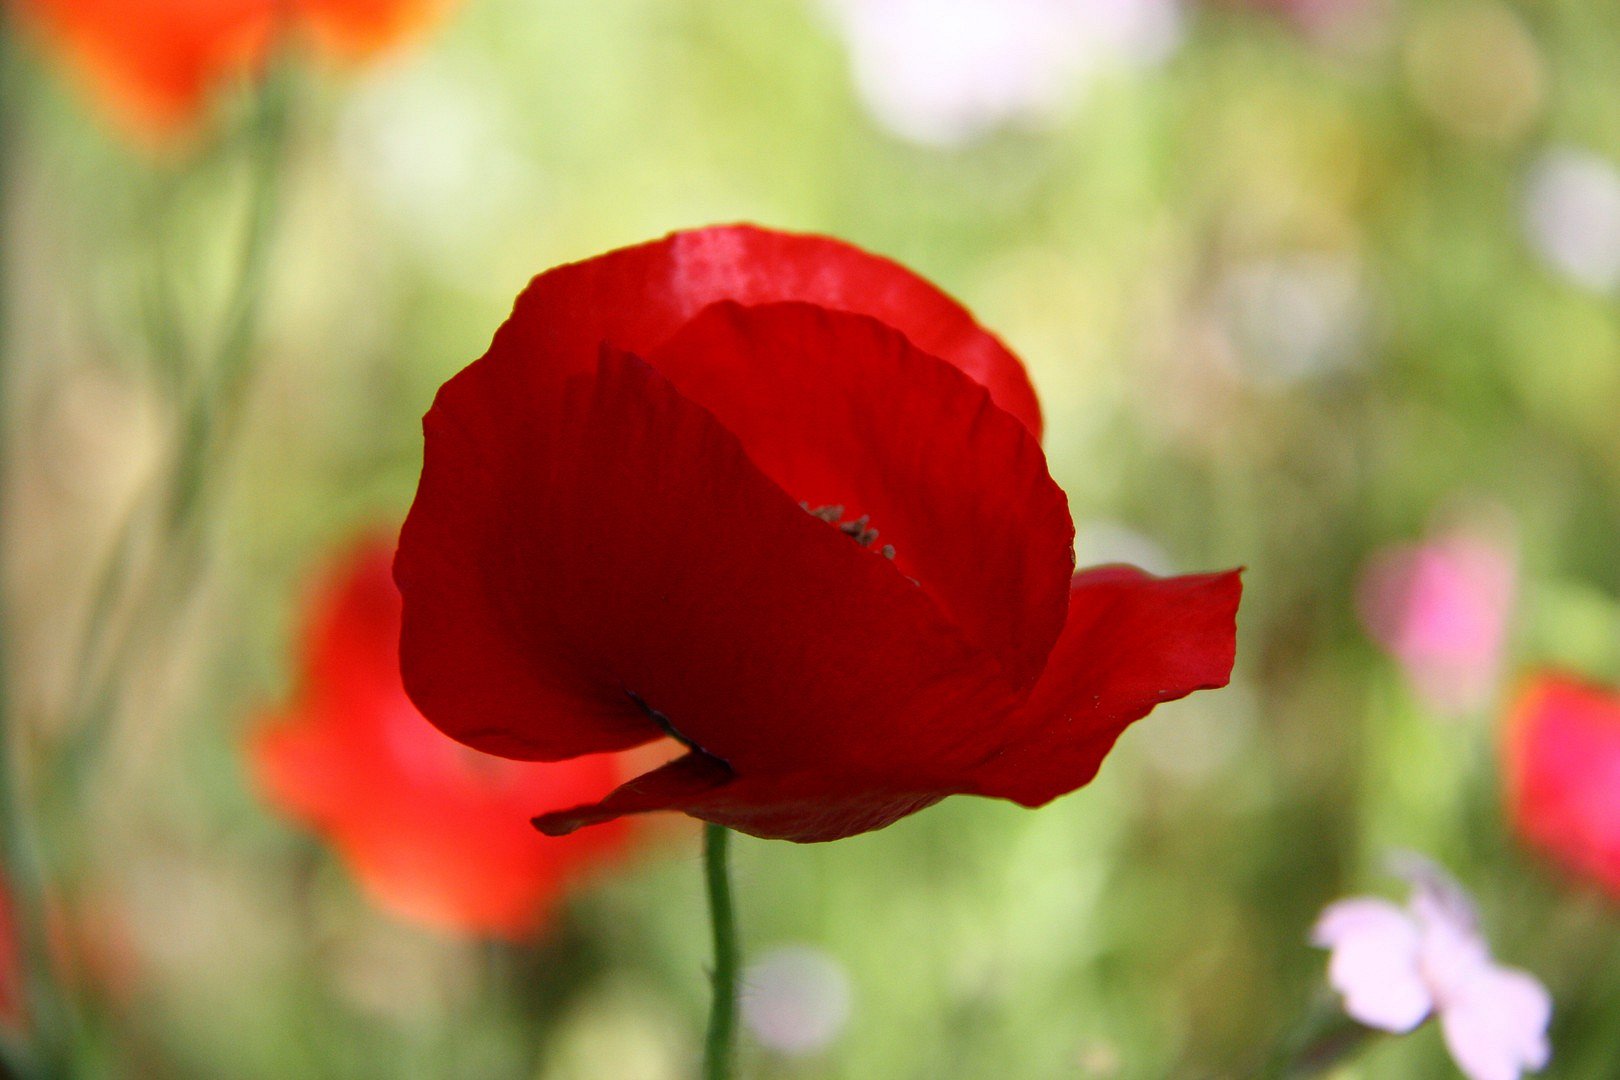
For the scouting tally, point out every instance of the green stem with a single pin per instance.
(1323, 1038)
(51, 1020)
(178, 509)
(719, 1050)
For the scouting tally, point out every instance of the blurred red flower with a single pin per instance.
(12, 1010)
(661, 504)
(1562, 764)
(435, 832)
(153, 63)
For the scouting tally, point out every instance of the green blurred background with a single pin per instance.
(1301, 286)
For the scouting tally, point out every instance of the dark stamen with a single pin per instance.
(860, 530)
(830, 514)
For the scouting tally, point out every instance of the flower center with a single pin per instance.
(857, 529)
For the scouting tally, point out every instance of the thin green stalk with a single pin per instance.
(1323, 1038)
(109, 648)
(178, 509)
(51, 1022)
(1596, 979)
(719, 1048)
(215, 413)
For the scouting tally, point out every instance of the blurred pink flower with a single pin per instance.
(1395, 967)
(1320, 16)
(1441, 608)
(945, 72)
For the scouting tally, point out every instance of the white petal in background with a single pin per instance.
(1572, 216)
(1292, 316)
(946, 72)
(1099, 541)
(430, 149)
(1395, 966)
(1375, 963)
(796, 1000)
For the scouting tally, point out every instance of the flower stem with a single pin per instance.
(179, 506)
(50, 1019)
(1323, 1038)
(718, 1051)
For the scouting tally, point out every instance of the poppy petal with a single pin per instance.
(1133, 641)
(841, 410)
(681, 591)
(669, 787)
(637, 297)
(295, 770)
(804, 807)
(433, 831)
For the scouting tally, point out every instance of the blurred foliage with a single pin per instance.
(1281, 305)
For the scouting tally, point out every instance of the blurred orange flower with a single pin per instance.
(359, 29)
(435, 832)
(154, 63)
(1562, 764)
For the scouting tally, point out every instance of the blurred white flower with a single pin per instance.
(795, 999)
(1396, 966)
(432, 150)
(1572, 216)
(1098, 541)
(1293, 316)
(944, 72)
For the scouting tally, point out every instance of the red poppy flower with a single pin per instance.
(154, 62)
(435, 832)
(784, 501)
(1562, 764)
